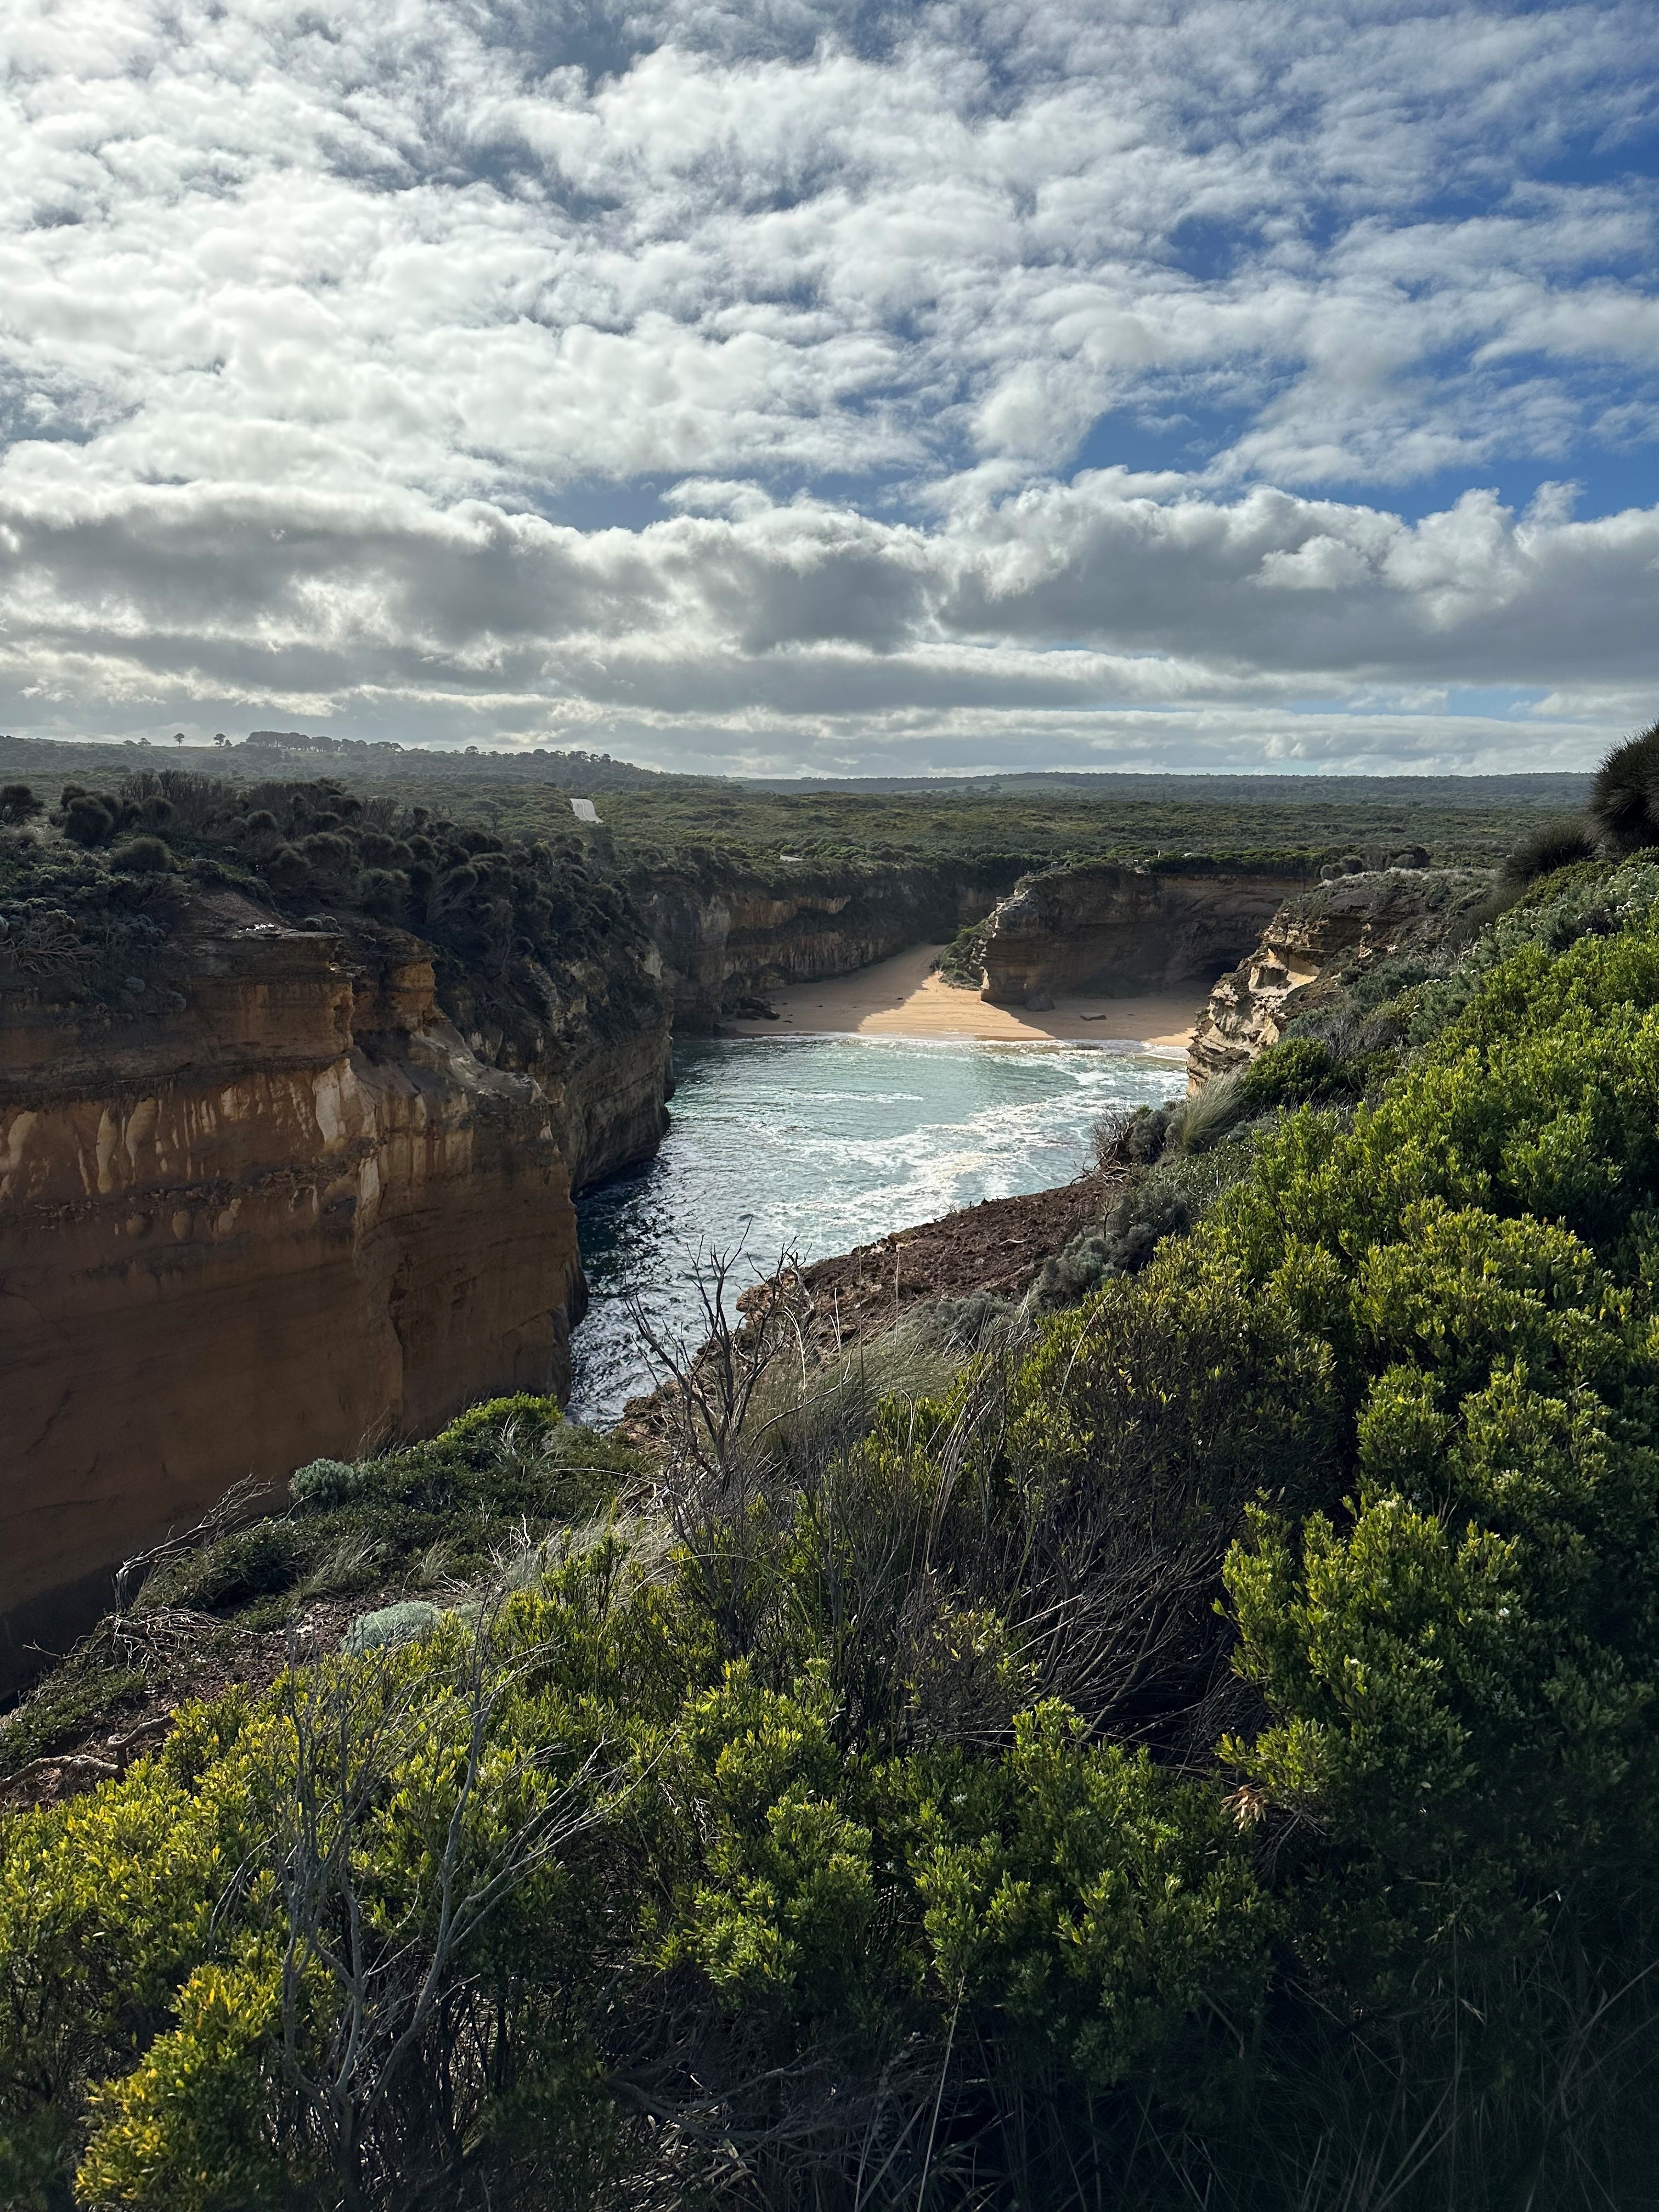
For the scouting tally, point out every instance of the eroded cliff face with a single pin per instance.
(722, 937)
(598, 1048)
(271, 1207)
(1118, 930)
(1322, 936)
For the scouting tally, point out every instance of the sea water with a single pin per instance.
(810, 1145)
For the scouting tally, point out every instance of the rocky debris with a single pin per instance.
(1319, 939)
(998, 1246)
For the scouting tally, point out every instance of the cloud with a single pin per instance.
(967, 362)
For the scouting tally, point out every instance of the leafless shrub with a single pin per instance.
(245, 1501)
(716, 1441)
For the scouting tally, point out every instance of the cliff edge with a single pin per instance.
(1319, 940)
(295, 1091)
(1111, 928)
(272, 1206)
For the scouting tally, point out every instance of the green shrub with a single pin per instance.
(141, 856)
(962, 962)
(1078, 1899)
(1624, 805)
(391, 1623)
(328, 1482)
(1564, 841)
(88, 819)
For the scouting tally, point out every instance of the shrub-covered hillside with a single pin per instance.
(1204, 1750)
(92, 886)
(724, 828)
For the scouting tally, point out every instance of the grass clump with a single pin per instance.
(503, 1470)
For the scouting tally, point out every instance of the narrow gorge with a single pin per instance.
(293, 1108)
(277, 1189)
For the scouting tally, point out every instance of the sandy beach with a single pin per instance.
(900, 997)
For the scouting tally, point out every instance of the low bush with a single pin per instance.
(1623, 804)
(1564, 841)
(504, 1473)
(141, 856)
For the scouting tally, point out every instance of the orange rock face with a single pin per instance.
(1102, 927)
(1315, 941)
(289, 1212)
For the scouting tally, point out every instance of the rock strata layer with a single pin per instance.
(1122, 930)
(723, 937)
(289, 1212)
(1318, 937)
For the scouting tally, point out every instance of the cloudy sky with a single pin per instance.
(820, 384)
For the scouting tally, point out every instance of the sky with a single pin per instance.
(818, 386)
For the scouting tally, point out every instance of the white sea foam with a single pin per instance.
(814, 1144)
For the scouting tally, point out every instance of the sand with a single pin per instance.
(900, 997)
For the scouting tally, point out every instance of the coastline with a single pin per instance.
(900, 997)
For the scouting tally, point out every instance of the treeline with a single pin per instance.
(92, 909)
(712, 824)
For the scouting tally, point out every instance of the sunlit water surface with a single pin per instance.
(814, 1144)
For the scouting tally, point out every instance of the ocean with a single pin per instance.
(805, 1146)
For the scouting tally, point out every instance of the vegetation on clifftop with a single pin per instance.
(1203, 1748)
(1005, 824)
(91, 890)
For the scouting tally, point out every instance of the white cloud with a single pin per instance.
(312, 322)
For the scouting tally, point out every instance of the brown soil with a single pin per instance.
(183, 1657)
(998, 1245)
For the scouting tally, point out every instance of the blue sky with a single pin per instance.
(835, 387)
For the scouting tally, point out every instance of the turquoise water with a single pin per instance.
(814, 1144)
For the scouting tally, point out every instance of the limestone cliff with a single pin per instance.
(1320, 936)
(269, 1205)
(1117, 930)
(722, 934)
(596, 1042)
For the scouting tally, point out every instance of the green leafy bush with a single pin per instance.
(141, 856)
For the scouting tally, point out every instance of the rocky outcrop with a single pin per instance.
(270, 1205)
(1117, 930)
(1319, 939)
(723, 936)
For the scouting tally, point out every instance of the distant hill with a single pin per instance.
(298, 752)
(1545, 790)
